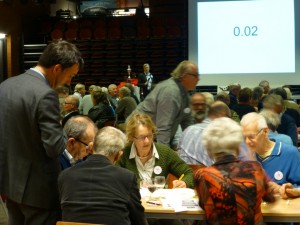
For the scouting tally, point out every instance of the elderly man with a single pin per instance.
(287, 123)
(96, 191)
(168, 103)
(280, 161)
(31, 136)
(199, 107)
(234, 90)
(70, 108)
(126, 105)
(113, 95)
(81, 132)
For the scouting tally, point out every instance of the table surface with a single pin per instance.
(279, 211)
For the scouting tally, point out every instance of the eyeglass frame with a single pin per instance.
(194, 75)
(80, 141)
(253, 136)
(143, 138)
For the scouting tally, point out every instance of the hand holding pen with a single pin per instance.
(179, 183)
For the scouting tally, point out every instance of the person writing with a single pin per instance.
(147, 158)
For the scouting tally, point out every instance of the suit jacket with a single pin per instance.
(95, 191)
(68, 116)
(31, 140)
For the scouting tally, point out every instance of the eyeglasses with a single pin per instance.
(252, 136)
(143, 138)
(194, 75)
(68, 103)
(76, 139)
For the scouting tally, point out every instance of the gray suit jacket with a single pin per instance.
(31, 140)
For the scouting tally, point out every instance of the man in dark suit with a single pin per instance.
(81, 132)
(145, 81)
(96, 191)
(32, 138)
(71, 105)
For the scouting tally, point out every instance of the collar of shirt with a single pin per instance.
(69, 157)
(39, 72)
(145, 170)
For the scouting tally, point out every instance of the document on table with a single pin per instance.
(180, 199)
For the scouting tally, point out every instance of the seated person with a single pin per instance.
(230, 191)
(96, 191)
(71, 104)
(147, 158)
(126, 104)
(279, 160)
(81, 132)
(102, 111)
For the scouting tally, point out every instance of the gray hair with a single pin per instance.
(222, 136)
(111, 86)
(79, 87)
(125, 91)
(254, 118)
(272, 100)
(74, 99)
(272, 119)
(76, 126)
(182, 67)
(209, 98)
(109, 141)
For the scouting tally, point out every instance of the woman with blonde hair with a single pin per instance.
(147, 158)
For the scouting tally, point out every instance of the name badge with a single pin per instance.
(157, 170)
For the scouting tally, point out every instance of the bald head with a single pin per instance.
(219, 109)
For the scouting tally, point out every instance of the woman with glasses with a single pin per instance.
(147, 158)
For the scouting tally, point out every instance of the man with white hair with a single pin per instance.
(280, 161)
(96, 191)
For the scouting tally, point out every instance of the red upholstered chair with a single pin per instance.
(57, 34)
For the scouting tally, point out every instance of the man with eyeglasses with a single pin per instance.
(279, 160)
(168, 103)
(81, 132)
(31, 135)
(70, 108)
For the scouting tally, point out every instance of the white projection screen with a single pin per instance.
(245, 41)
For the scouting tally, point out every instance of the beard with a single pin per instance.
(199, 115)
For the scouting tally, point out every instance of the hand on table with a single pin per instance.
(179, 184)
(289, 191)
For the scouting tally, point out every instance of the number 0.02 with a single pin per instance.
(247, 31)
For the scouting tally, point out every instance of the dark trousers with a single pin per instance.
(19, 214)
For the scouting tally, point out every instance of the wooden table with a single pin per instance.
(279, 211)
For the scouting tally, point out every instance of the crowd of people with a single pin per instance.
(80, 158)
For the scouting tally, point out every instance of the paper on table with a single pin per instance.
(180, 199)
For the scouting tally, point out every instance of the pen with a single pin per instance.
(153, 203)
(180, 178)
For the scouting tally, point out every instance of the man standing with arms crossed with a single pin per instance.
(32, 138)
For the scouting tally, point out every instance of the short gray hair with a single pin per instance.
(222, 136)
(272, 100)
(272, 118)
(79, 87)
(76, 126)
(74, 99)
(254, 118)
(109, 141)
(182, 67)
(125, 91)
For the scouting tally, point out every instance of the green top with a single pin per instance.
(168, 160)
